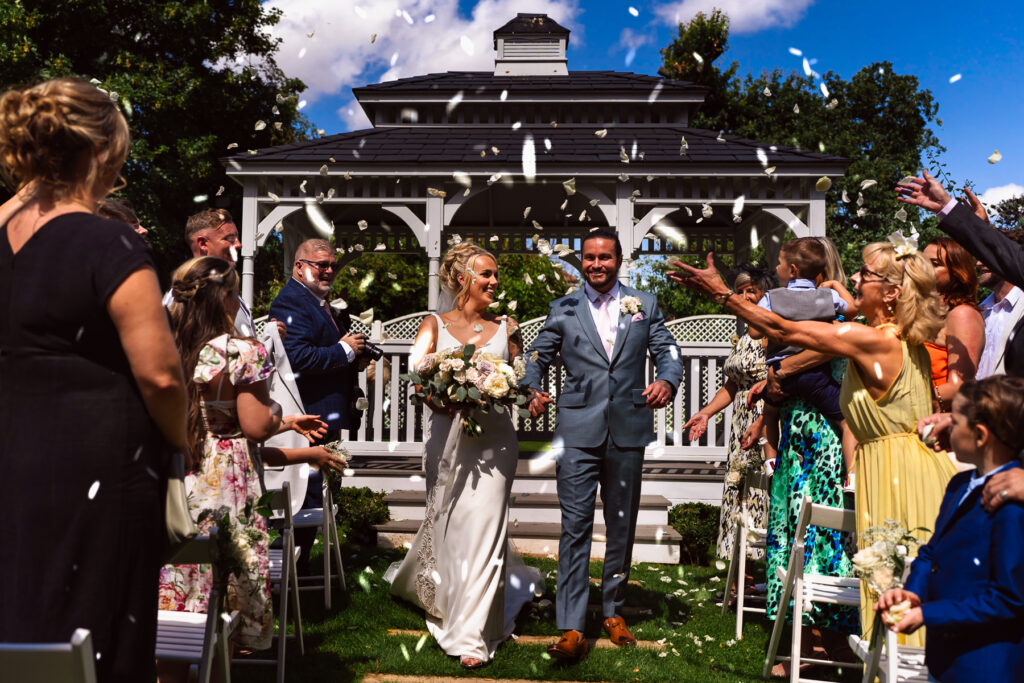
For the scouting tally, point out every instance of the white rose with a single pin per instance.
(733, 479)
(457, 364)
(866, 559)
(496, 385)
(895, 614)
(519, 364)
(460, 377)
(901, 550)
(445, 365)
(473, 375)
(510, 374)
(881, 579)
(881, 548)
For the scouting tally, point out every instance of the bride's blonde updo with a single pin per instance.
(63, 136)
(459, 261)
(919, 310)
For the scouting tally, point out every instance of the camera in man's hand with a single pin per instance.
(373, 351)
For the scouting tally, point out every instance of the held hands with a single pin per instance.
(909, 619)
(658, 394)
(1010, 483)
(926, 192)
(934, 430)
(698, 424)
(356, 342)
(282, 330)
(310, 426)
(539, 403)
(706, 281)
(976, 206)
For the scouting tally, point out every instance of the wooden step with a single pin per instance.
(530, 507)
(653, 543)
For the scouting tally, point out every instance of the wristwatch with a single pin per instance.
(722, 297)
(776, 366)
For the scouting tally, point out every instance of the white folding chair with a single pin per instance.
(810, 588)
(198, 638)
(746, 536)
(898, 664)
(328, 525)
(283, 578)
(72, 662)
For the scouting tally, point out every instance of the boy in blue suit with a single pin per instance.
(967, 583)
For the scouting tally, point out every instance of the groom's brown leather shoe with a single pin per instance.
(571, 647)
(617, 632)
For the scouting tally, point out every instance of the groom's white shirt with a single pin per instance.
(613, 317)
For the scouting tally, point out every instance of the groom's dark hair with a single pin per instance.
(604, 234)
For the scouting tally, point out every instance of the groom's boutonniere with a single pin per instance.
(630, 305)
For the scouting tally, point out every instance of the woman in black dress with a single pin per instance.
(91, 388)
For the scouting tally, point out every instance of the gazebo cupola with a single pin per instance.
(531, 45)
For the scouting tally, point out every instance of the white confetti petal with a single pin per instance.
(467, 45)
(797, 52)
(569, 186)
(260, 125)
(366, 317)
(363, 225)
(766, 92)
(824, 184)
(94, 489)
(634, 11)
(995, 157)
(601, 133)
(199, 198)
(901, 215)
(529, 158)
(867, 183)
(526, 212)
(796, 108)
(955, 77)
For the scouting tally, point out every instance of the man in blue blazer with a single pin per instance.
(966, 584)
(603, 333)
(322, 355)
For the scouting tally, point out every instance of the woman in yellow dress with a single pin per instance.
(887, 387)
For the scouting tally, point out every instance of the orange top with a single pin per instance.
(940, 363)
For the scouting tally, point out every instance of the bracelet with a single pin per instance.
(722, 297)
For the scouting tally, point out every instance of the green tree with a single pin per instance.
(1009, 213)
(878, 119)
(192, 78)
(532, 282)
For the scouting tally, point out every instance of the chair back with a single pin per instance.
(73, 662)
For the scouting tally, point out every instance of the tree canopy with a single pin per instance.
(192, 78)
(878, 119)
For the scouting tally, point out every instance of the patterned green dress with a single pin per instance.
(811, 464)
(744, 366)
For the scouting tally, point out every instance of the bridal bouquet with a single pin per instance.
(882, 561)
(464, 379)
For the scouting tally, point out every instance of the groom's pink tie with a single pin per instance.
(604, 322)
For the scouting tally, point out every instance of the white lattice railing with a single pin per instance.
(393, 424)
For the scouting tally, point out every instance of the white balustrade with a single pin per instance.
(393, 424)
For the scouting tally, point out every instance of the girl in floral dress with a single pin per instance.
(229, 407)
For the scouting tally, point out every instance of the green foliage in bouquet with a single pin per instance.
(697, 523)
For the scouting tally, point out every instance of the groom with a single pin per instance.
(603, 333)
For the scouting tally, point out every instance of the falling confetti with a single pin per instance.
(467, 45)
(232, 145)
(807, 67)
(706, 210)
(495, 150)
(683, 145)
(363, 225)
(453, 102)
(434, 192)
(570, 186)
(380, 247)
(366, 317)
(601, 133)
(494, 178)
(634, 11)
(373, 38)
(768, 171)
(478, 328)
(824, 184)
(526, 212)
(220, 191)
(901, 215)
(955, 77)
(721, 136)
(832, 105)
(767, 91)
(529, 156)
(274, 198)
(796, 108)
(995, 157)
(796, 52)
(867, 183)
(537, 226)
(260, 125)
(623, 157)
(94, 489)
(199, 198)
(846, 197)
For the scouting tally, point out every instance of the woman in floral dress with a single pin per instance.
(229, 407)
(744, 367)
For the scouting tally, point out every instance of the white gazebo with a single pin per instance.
(533, 150)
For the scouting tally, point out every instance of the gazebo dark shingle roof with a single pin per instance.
(477, 82)
(531, 24)
(446, 145)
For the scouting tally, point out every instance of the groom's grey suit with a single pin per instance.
(602, 428)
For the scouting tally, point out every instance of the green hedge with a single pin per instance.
(358, 510)
(697, 523)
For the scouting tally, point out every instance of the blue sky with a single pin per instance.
(981, 112)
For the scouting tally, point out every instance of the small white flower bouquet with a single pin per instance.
(465, 379)
(880, 563)
(630, 305)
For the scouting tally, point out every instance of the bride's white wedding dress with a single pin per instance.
(462, 568)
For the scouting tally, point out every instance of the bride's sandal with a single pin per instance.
(471, 662)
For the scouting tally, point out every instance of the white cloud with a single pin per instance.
(631, 41)
(745, 16)
(994, 195)
(340, 55)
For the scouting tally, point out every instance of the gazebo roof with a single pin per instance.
(448, 147)
(533, 25)
(485, 83)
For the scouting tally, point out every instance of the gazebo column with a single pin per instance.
(432, 243)
(624, 228)
(250, 221)
(816, 214)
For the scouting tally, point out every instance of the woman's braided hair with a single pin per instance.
(197, 316)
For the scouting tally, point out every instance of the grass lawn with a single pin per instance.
(675, 602)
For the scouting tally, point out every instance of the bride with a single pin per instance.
(462, 569)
